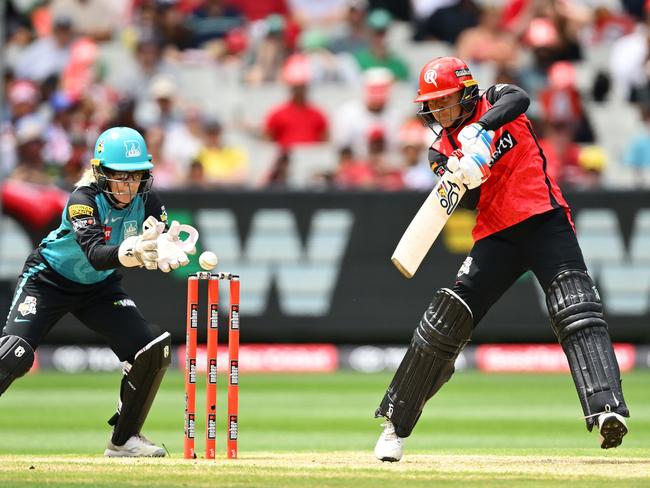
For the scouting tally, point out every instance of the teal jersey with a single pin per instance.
(84, 248)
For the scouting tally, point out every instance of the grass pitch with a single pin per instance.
(317, 430)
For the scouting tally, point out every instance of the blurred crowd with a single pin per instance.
(61, 89)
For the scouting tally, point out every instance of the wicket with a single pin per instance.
(211, 376)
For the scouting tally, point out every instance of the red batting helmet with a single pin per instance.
(443, 76)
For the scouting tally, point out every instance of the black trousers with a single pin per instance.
(43, 297)
(545, 244)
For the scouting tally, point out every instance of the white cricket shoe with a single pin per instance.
(389, 445)
(137, 446)
(612, 428)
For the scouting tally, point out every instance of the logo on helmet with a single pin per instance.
(462, 72)
(430, 77)
(100, 147)
(132, 149)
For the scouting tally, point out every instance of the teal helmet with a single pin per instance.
(120, 150)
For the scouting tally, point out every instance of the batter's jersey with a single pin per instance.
(519, 186)
(84, 248)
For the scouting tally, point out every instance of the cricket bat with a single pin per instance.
(427, 224)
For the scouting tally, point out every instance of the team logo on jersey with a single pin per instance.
(430, 76)
(28, 306)
(464, 268)
(130, 228)
(132, 149)
(74, 210)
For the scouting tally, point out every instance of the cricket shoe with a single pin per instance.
(137, 446)
(389, 446)
(612, 428)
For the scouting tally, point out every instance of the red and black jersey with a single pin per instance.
(519, 186)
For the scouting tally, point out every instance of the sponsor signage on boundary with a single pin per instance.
(539, 358)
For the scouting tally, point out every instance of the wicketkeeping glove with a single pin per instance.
(474, 139)
(172, 251)
(141, 250)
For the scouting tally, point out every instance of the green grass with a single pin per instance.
(318, 430)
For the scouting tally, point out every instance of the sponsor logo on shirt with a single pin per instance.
(75, 210)
(502, 145)
(107, 233)
(82, 223)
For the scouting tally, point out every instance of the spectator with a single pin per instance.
(413, 139)
(355, 118)
(23, 98)
(270, 53)
(172, 27)
(160, 109)
(637, 154)
(488, 42)
(386, 176)
(48, 55)
(214, 19)
(354, 35)
(77, 163)
(323, 64)
(222, 165)
(183, 141)
(97, 19)
(352, 173)
(322, 14)
(561, 102)
(377, 54)
(136, 81)
(255, 10)
(58, 144)
(31, 165)
(443, 19)
(296, 121)
(627, 65)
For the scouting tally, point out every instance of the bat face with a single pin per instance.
(427, 224)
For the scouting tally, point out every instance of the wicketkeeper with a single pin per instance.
(111, 220)
(523, 224)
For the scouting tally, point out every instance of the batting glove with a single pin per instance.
(474, 139)
(471, 170)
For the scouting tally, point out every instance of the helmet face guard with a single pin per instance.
(468, 100)
(105, 176)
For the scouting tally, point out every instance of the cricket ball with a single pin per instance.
(208, 260)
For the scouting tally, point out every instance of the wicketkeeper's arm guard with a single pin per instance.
(139, 387)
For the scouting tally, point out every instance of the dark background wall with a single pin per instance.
(315, 267)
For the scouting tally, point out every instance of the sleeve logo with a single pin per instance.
(75, 210)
